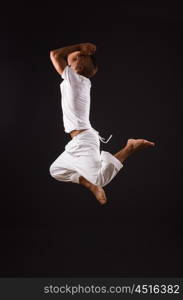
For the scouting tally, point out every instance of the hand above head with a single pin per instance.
(87, 48)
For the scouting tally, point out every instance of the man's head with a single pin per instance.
(82, 64)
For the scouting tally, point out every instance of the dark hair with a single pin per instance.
(94, 61)
(95, 66)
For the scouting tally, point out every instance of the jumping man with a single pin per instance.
(82, 162)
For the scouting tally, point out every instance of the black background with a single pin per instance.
(49, 228)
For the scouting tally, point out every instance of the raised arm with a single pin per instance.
(59, 56)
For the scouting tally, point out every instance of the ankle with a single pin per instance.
(129, 148)
(123, 154)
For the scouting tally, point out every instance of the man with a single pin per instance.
(82, 162)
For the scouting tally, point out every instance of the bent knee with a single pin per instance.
(59, 173)
(52, 170)
(56, 171)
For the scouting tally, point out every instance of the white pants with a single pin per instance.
(82, 157)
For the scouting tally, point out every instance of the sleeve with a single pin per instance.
(70, 75)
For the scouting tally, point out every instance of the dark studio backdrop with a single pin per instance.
(49, 228)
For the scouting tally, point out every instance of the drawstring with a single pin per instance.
(103, 139)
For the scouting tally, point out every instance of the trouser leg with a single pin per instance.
(62, 169)
(97, 169)
(82, 158)
(109, 168)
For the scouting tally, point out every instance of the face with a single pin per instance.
(79, 62)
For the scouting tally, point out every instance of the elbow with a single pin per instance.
(53, 54)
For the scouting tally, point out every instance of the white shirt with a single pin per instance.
(75, 100)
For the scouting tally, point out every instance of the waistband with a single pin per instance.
(102, 139)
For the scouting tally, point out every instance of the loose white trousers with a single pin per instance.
(82, 157)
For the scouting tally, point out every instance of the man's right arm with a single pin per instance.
(59, 56)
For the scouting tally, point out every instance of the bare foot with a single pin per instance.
(132, 146)
(137, 144)
(99, 193)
